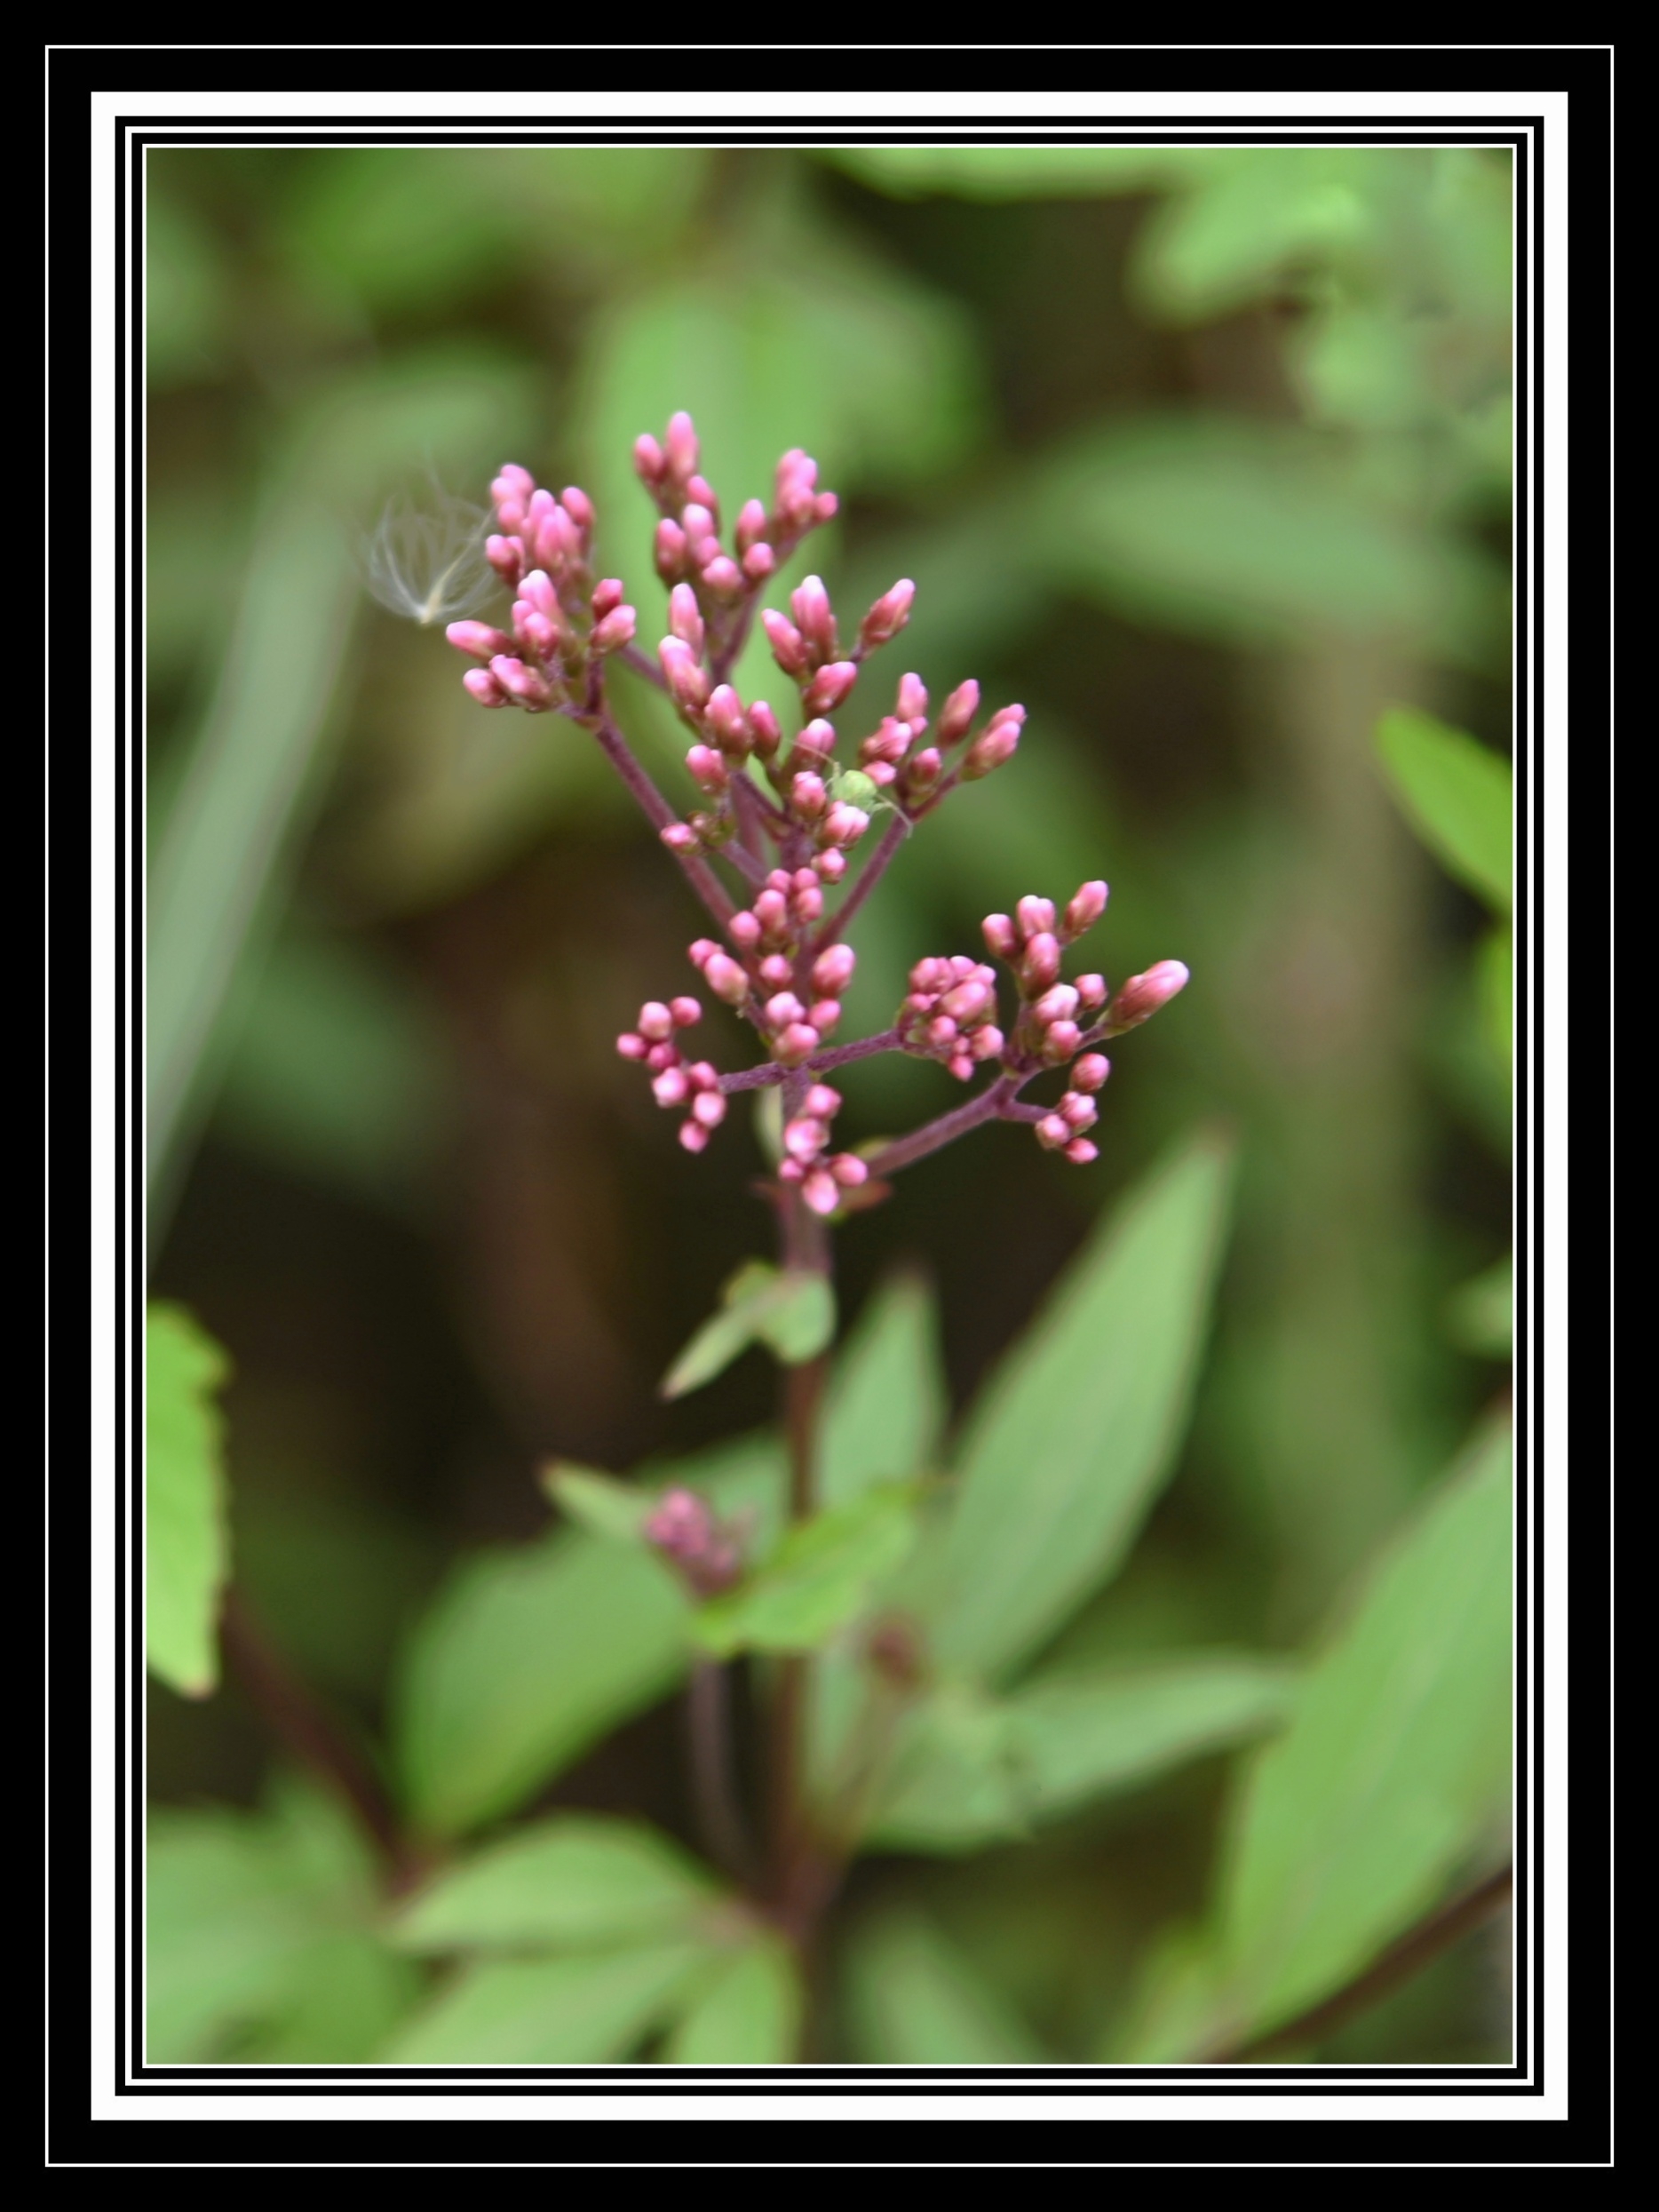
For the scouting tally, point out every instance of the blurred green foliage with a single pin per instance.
(1202, 454)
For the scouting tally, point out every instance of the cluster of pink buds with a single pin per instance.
(771, 965)
(950, 1014)
(676, 1081)
(1053, 1014)
(562, 620)
(1063, 1131)
(706, 1555)
(822, 1176)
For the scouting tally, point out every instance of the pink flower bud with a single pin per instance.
(844, 825)
(1085, 910)
(1092, 992)
(1060, 1039)
(942, 1030)
(798, 1042)
(708, 1109)
(923, 768)
(687, 1013)
(831, 865)
(1039, 963)
(655, 1020)
(607, 595)
(523, 683)
(788, 648)
(989, 751)
(987, 1042)
(912, 699)
(1078, 1111)
(849, 1171)
(649, 460)
(687, 684)
(697, 521)
(759, 564)
(671, 1088)
(701, 490)
(771, 910)
(957, 712)
(660, 1056)
(1001, 937)
(615, 632)
(478, 639)
(513, 483)
(967, 1001)
(824, 1014)
(694, 1136)
(1090, 1071)
(707, 769)
(1142, 995)
(819, 1192)
(806, 902)
(832, 970)
(668, 550)
(822, 1102)
(579, 507)
(784, 1009)
(679, 837)
(751, 525)
(723, 576)
(536, 635)
(776, 970)
(726, 979)
(682, 447)
(726, 719)
(632, 1047)
(829, 687)
(888, 616)
(744, 929)
(699, 950)
(1052, 1133)
(1080, 1152)
(483, 687)
(763, 728)
(814, 617)
(684, 620)
(816, 743)
(505, 556)
(826, 506)
(1057, 1005)
(808, 794)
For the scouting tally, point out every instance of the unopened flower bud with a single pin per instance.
(759, 564)
(814, 745)
(1039, 963)
(679, 837)
(751, 525)
(888, 616)
(986, 1041)
(668, 550)
(912, 699)
(708, 1109)
(484, 688)
(849, 1171)
(744, 929)
(788, 648)
(989, 751)
(723, 577)
(1085, 910)
(726, 979)
(1092, 992)
(1052, 1133)
(798, 1042)
(1060, 1039)
(776, 970)
(784, 1009)
(672, 1088)
(771, 910)
(832, 970)
(1080, 1152)
(655, 1020)
(820, 1192)
(608, 594)
(763, 728)
(1077, 1112)
(808, 794)
(1090, 1071)
(615, 632)
(682, 447)
(830, 864)
(814, 618)
(957, 713)
(1060, 1004)
(824, 1014)
(708, 769)
(844, 825)
(699, 489)
(694, 1136)
(684, 619)
(479, 638)
(687, 1013)
(1001, 939)
(923, 768)
(1142, 995)
(579, 507)
(829, 687)
(505, 556)
(822, 1102)
(632, 1047)
(688, 684)
(726, 719)
(649, 460)
(521, 682)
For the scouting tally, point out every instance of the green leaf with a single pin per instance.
(1396, 1766)
(790, 1310)
(1015, 172)
(1174, 2007)
(573, 1882)
(816, 1581)
(1494, 975)
(1253, 211)
(548, 2011)
(187, 1539)
(750, 2014)
(1479, 1314)
(1071, 1440)
(970, 1772)
(912, 1999)
(1459, 796)
(598, 1502)
(527, 1658)
(886, 1403)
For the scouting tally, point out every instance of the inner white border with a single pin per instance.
(505, 109)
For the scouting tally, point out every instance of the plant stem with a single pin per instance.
(875, 867)
(1408, 1956)
(708, 1731)
(991, 1104)
(771, 1071)
(657, 809)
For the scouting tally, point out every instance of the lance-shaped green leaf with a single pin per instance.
(1459, 796)
(886, 1403)
(790, 1310)
(186, 1538)
(598, 1502)
(597, 2005)
(573, 1882)
(816, 1581)
(912, 1999)
(748, 2014)
(969, 1771)
(1396, 1766)
(1073, 1435)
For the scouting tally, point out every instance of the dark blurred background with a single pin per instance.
(1202, 456)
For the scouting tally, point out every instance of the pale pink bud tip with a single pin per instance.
(708, 1109)
(798, 1042)
(648, 458)
(655, 1020)
(1090, 1071)
(632, 1047)
(687, 1013)
(821, 1192)
(478, 639)
(831, 865)
(829, 687)
(822, 1102)
(1080, 1152)
(832, 971)
(726, 979)
(889, 614)
(1001, 939)
(1052, 1132)
(1085, 909)
(1143, 995)
(694, 1136)
(615, 631)
(678, 837)
(483, 687)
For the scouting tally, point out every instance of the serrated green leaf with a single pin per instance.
(548, 2011)
(527, 1658)
(598, 1502)
(575, 1882)
(748, 2015)
(1068, 1443)
(969, 1772)
(887, 1402)
(912, 1999)
(816, 1581)
(1396, 1765)
(187, 1537)
(1459, 796)
(790, 1310)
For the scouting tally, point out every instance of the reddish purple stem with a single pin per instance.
(820, 1063)
(657, 809)
(995, 1104)
(875, 867)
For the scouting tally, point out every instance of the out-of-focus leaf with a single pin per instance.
(261, 1939)
(1459, 796)
(527, 1658)
(1495, 977)
(1395, 1765)
(969, 1772)
(792, 1310)
(912, 1999)
(1253, 214)
(186, 294)
(572, 1882)
(1016, 172)
(337, 1069)
(1250, 533)
(547, 2011)
(599, 1503)
(886, 1403)
(1480, 1315)
(817, 1580)
(1067, 1444)
(1172, 2012)
(750, 2014)
(186, 1538)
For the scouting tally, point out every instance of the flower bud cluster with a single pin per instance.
(560, 618)
(675, 1081)
(822, 1176)
(705, 1554)
(773, 966)
(950, 1014)
(1063, 1131)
